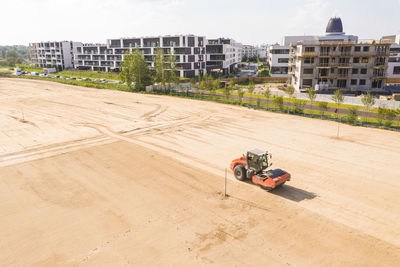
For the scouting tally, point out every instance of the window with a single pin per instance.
(283, 60)
(364, 60)
(395, 50)
(363, 71)
(362, 82)
(309, 49)
(356, 60)
(307, 82)
(341, 83)
(357, 48)
(308, 60)
(354, 71)
(353, 82)
(366, 48)
(394, 59)
(308, 71)
(396, 70)
(280, 51)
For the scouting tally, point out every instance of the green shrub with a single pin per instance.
(298, 106)
(323, 107)
(352, 116)
(278, 101)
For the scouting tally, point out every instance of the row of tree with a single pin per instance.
(384, 115)
(12, 55)
(136, 72)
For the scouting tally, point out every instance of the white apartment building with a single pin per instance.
(262, 51)
(393, 70)
(223, 56)
(189, 50)
(59, 55)
(278, 57)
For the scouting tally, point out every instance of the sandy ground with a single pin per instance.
(107, 178)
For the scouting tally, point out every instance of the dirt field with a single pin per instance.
(107, 178)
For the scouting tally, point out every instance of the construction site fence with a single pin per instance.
(257, 79)
(223, 100)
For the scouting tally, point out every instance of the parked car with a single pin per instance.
(63, 77)
(85, 79)
(57, 76)
(104, 80)
(73, 78)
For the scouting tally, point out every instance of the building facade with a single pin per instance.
(189, 50)
(59, 55)
(337, 60)
(223, 56)
(393, 70)
(278, 57)
(359, 66)
(249, 51)
(262, 51)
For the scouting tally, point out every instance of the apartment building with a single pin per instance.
(59, 55)
(337, 60)
(278, 57)
(354, 65)
(262, 51)
(189, 50)
(249, 51)
(223, 56)
(393, 70)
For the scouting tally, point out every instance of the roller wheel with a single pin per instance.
(239, 172)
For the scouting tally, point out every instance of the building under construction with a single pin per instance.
(339, 61)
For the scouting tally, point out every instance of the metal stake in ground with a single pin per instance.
(225, 183)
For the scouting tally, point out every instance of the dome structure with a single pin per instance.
(334, 26)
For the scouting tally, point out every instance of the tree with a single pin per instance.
(290, 91)
(127, 73)
(13, 58)
(171, 72)
(159, 66)
(134, 69)
(298, 106)
(323, 107)
(251, 87)
(267, 94)
(390, 115)
(240, 95)
(278, 101)
(311, 95)
(368, 101)
(258, 103)
(352, 117)
(338, 98)
(228, 89)
(380, 116)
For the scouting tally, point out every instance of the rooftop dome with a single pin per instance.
(334, 26)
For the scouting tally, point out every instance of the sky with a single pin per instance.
(249, 22)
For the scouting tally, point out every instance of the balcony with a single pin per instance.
(343, 75)
(325, 64)
(344, 65)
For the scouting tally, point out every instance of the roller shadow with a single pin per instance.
(292, 193)
(289, 192)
